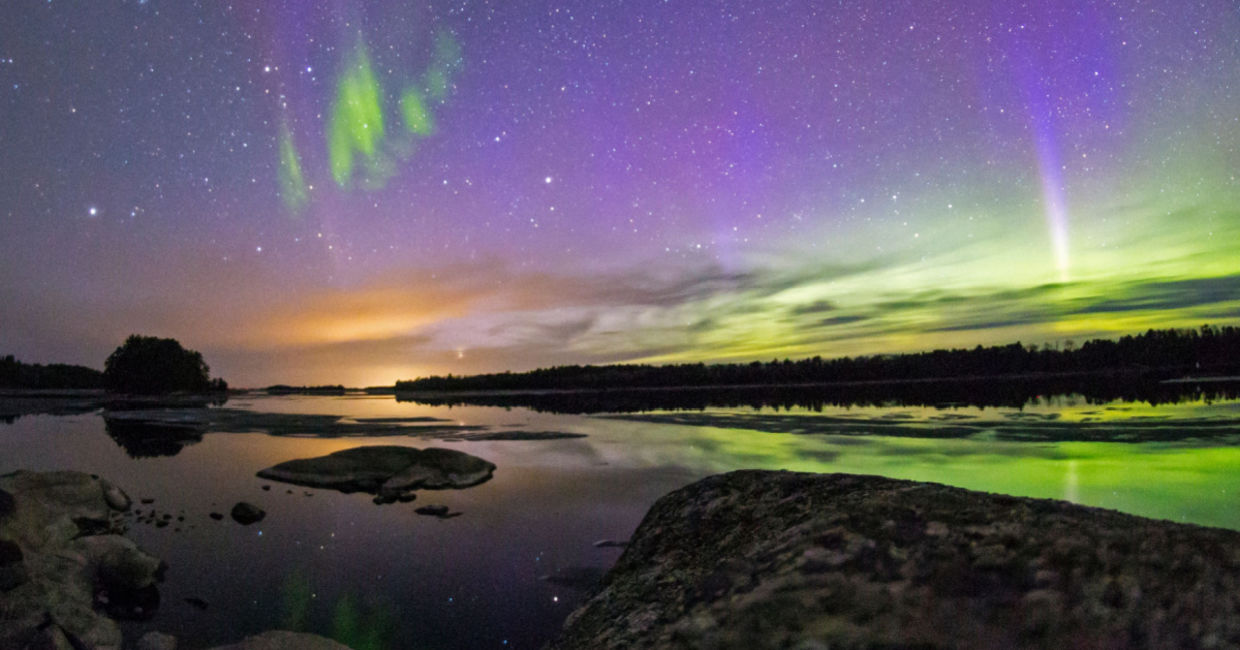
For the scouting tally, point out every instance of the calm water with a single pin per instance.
(382, 576)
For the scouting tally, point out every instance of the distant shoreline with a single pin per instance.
(1128, 375)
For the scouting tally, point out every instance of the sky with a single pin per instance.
(359, 192)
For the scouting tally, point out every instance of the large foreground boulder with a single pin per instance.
(757, 559)
(387, 471)
(67, 572)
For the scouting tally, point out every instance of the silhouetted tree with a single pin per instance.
(151, 365)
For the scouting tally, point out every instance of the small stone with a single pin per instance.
(433, 511)
(266, 488)
(115, 497)
(247, 513)
(216, 516)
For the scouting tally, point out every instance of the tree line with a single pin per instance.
(1155, 354)
(15, 374)
(141, 365)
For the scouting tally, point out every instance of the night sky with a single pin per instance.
(356, 192)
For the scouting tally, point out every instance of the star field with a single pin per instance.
(360, 191)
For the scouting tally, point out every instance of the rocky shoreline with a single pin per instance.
(748, 559)
(67, 573)
(760, 559)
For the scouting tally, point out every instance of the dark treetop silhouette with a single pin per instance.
(151, 365)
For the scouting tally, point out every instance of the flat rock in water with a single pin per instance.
(388, 471)
(757, 559)
(432, 510)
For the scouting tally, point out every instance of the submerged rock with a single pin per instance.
(247, 513)
(283, 640)
(386, 471)
(157, 641)
(271, 640)
(66, 568)
(580, 578)
(778, 559)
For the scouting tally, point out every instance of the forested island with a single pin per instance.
(285, 389)
(1153, 355)
(54, 376)
(142, 365)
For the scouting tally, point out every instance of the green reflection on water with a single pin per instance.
(1187, 481)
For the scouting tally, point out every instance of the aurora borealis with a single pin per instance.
(356, 192)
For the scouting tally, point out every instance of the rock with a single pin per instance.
(54, 507)
(10, 553)
(216, 516)
(12, 569)
(388, 472)
(610, 543)
(50, 637)
(282, 640)
(157, 641)
(780, 559)
(247, 513)
(74, 573)
(121, 565)
(6, 504)
(433, 511)
(115, 497)
(123, 576)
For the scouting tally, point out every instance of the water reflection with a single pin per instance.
(334, 564)
(149, 440)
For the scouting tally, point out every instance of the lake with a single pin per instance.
(517, 560)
